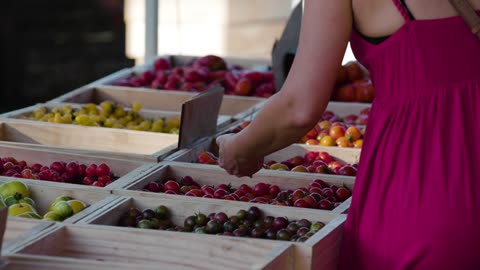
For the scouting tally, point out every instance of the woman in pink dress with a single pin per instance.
(416, 202)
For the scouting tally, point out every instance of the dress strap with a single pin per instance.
(402, 7)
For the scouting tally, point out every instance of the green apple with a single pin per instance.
(20, 208)
(59, 199)
(52, 216)
(77, 205)
(12, 187)
(30, 215)
(63, 209)
(18, 198)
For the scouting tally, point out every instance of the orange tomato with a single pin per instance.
(311, 142)
(327, 141)
(337, 132)
(343, 142)
(358, 143)
(324, 125)
(353, 134)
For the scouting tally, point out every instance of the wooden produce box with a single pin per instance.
(320, 251)
(248, 64)
(107, 247)
(44, 193)
(214, 175)
(236, 107)
(126, 170)
(17, 229)
(347, 155)
(97, 141)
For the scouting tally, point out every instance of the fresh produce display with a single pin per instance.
(311, 162)
(336, 134)
(107, 114)
(16, 196)
(318, 194)
(353, 84)
(203, 73)
(246, 223)
(59, 171)
(328, 132)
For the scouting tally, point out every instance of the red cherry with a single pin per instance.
(208, 190)
(274, 190)
(260, 189)
(239, 193)
(104, 179)
(170, 192)
(301, 203)
(35, 167)
(220, 193)
(87, 180)
(58, 167)
(229, 198)
(342, 194)
(328, 192)
(223, 186)
(171, 185)
(72, 169)
(22, 163)
(91, 171)
(154, 187)
(321, 182)
(103, 169)
(245, 188)
(325, 204)
(197, 192)
(315, 190)
(98, 184)
(81, 170)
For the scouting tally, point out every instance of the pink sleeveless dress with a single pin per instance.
(416, 202)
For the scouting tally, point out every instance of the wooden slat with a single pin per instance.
(18, 229)
(37, 262)
(126, 144)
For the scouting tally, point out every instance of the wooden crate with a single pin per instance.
(17, 229)
(319, 252)
(213, 175)
(97, 141)
(348, 155)
(236, 107)
(127, 170)
(44, 193)
(146, 249)
(21, 114)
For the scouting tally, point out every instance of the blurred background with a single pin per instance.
(52, 47)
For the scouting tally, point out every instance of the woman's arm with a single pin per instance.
(293, 111)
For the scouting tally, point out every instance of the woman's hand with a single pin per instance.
(231, 162)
